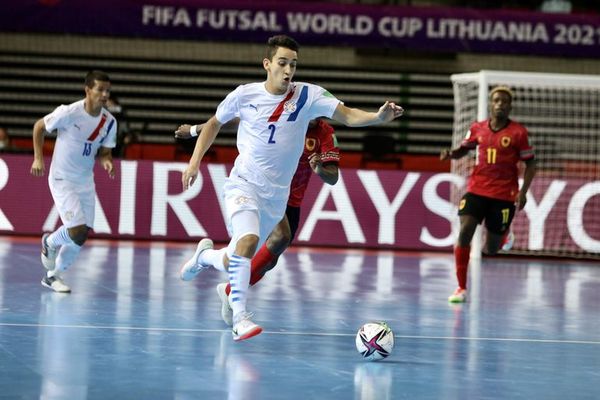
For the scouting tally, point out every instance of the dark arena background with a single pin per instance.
(376, 246)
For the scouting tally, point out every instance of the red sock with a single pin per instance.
(261, 259)
(461, 256)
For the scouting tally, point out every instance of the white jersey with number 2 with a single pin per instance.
(271, 132)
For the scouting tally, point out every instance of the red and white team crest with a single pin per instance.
(290, 106)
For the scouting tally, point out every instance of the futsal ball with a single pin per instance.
(375, 341)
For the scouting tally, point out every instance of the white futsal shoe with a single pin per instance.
(48, 255)
(226, 311)
(193, 267)
(243, 327)
(56, 284)
(459, 296)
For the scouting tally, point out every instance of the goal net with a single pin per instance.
(562, 115)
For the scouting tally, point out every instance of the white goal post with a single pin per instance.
(562, 115)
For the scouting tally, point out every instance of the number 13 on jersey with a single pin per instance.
(87, 149)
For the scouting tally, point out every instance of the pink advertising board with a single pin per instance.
(366, 208)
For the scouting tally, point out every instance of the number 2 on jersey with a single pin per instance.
(272, 136)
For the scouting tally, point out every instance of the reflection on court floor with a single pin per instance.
(131, 329)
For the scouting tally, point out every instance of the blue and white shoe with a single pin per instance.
(509, 241)
(193, 267)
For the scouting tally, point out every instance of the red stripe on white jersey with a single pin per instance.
(94, 134)
(279, 110)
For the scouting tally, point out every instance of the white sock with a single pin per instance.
(59, 237)
(214, 258)
(239, 279)
(66, 256)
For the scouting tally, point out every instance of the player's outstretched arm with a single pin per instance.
(185, 131)
(357, 117)
(207, 136)
(37, 167)
(458, 152)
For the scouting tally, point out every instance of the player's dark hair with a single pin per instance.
(502, 88)
(277, 41)
(95, 75)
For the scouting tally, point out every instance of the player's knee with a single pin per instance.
(280, 237)
(79, 234)
(248, 240)
(246, 245)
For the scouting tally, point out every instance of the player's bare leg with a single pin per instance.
(494, 242)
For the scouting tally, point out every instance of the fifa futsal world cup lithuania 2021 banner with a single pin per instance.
(427, 29)
(365, 209)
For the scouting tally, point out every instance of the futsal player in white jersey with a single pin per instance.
(86, 130)
(274, 117)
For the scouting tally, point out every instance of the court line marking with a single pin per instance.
(292, 333)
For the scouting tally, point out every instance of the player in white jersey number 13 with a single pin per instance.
(274, 117)
(85, 130)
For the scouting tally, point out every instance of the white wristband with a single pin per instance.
(193, 132)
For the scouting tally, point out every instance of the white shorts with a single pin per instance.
(239, 196)
(75, 202)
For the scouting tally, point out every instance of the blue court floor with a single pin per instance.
(132, 330)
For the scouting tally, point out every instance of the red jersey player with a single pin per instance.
(493, 189)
